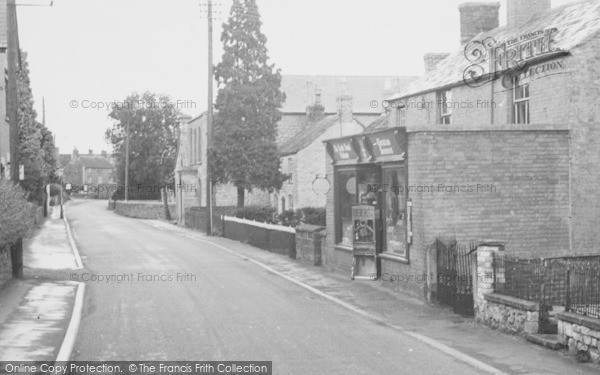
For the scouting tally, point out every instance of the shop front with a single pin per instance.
(371, 212)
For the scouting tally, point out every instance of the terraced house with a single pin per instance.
(499, 140)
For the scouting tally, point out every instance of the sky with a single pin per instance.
(83, 54)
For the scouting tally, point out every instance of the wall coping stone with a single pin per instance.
(309, 228)
(512, 301)
(436, 128)
(593, 323)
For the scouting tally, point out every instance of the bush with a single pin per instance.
(16, 217)
(263, 214)
(312, 215)
(288, 218)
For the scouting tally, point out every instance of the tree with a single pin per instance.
(244, 149)
(36, 143)
(153, 127)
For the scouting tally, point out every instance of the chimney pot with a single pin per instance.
(521, 11)
(344, 102)
(316, 112)
(477, 17)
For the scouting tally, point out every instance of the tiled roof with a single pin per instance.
(95, 162)
(309, 135)
(575, 22)
(380, 123)
(300, 91)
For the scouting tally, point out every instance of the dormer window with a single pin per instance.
(520, 101)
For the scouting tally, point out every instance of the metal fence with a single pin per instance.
(572, 282)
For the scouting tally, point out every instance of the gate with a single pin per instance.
(454, 281)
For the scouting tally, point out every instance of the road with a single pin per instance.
(221, 308)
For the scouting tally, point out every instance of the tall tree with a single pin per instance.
(153, 127)
(248, 106)
(36, 144)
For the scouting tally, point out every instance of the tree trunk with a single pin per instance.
(166, 204)
(240, 195)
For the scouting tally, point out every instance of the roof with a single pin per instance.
(95, 162)
(308, 136)
(300, 91)
(381, 123)
(575, 23)
(64, 160)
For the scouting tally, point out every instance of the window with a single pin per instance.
(346, 197)
(89, 180)
(394, 220)
(199, 146)
(445, 106)
(401, 116)
(291, 202)
(291, 170)
(282, 203)
(100, 180)
(111, 180)
(520, 101)
(191, 153)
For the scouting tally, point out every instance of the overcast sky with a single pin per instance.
(90, 51)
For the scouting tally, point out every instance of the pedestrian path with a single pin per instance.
(50, 248)
(35, 329)
(510, 354)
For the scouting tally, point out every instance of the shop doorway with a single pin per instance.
(454, 276)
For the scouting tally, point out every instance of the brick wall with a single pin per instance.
(143, 209)
(512, 186)
(582, 110)
(5, 265)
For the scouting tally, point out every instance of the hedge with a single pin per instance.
(16, 217)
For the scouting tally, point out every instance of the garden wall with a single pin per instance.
(274, 238)
(309, 239)
(143, 209)
(580, 333)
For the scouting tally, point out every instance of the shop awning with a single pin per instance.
(383, 146)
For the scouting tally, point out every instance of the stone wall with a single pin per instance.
(309, 240)
(143, 209)
(581, 334)
(510, 314)
(196, 218)
(5, 265)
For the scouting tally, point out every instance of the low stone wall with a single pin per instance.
(5, 265)
(196, 218)
(309, 242)
(510, 314)
(581, 334)
(143, 209)
(274, 238)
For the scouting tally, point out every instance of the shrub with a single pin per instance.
(288, 218)
(312, 215)
(263, 214)
(16, 217)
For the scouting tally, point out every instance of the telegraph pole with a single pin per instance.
(13, 99)
(127, 160)
(209, 123)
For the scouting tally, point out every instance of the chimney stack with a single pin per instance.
(104, 154)
(521, 11)
(91, 152)
(75, 154)
(315, 112)
(344, 103)
(432, 60)
(476, 18)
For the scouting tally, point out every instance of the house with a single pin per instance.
(302, 156)
(94, 171)
(368, 93)
(500, 141)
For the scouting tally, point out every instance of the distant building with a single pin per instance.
(96, 171)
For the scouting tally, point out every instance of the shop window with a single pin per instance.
(346, 197)
(394, 191)
(520, 101)
(445, 106)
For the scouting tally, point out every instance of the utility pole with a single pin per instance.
(13, 99)
(127, 160)
(209, 123)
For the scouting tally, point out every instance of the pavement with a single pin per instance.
(155, 291)
(36, 312)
